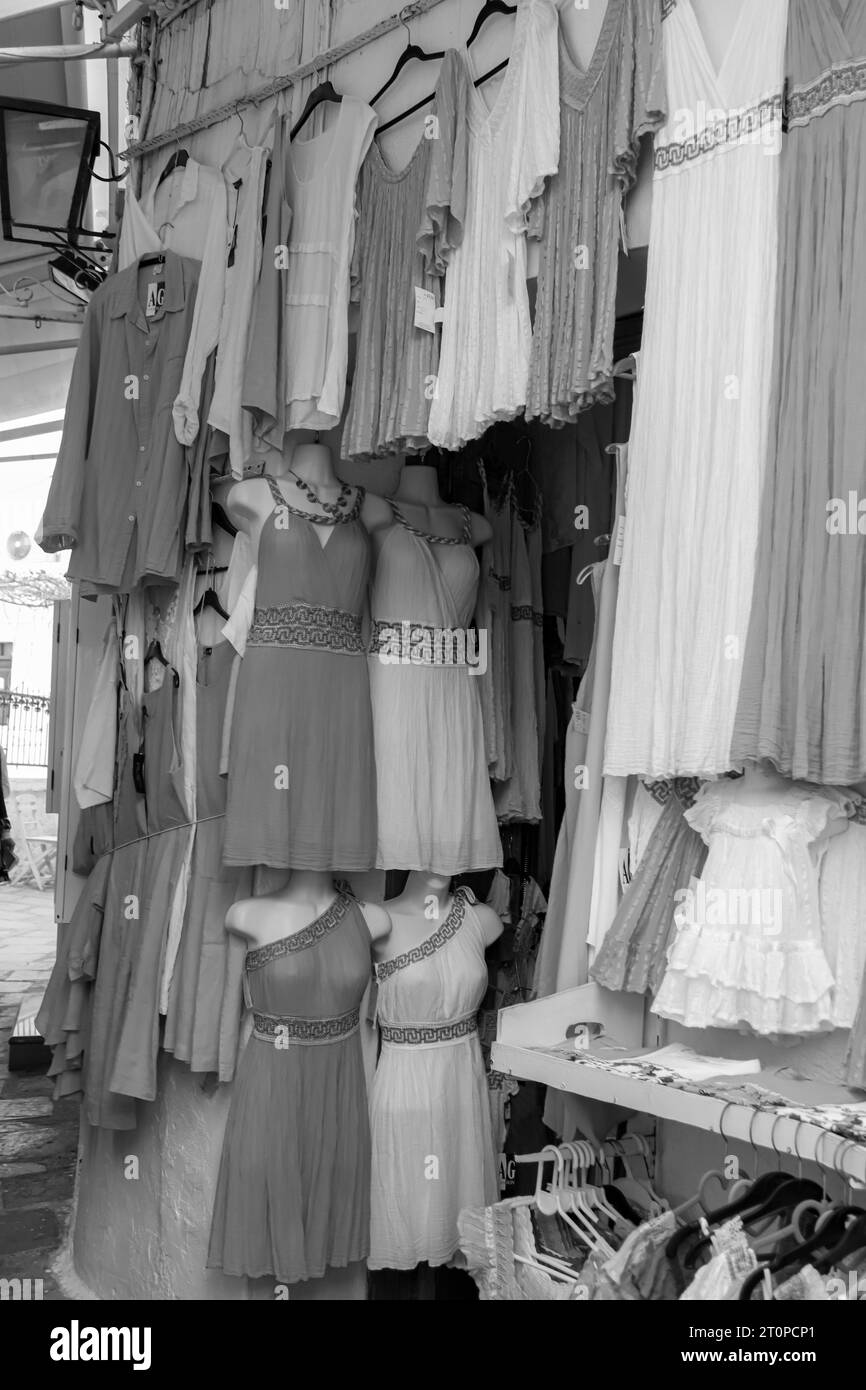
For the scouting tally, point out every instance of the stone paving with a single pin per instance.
(38, 1138)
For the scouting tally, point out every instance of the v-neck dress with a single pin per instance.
(293, 1191)
(301, 775)
(435, 804)
(699, 427)
(604, 112)
(428, 1103)
(803, 695)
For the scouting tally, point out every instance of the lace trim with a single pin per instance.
(308, 936)
(309, 627)
(731, 129)
(840, 85)
(417, 1034)
(427, 948)
(273, 1027)
(428, 535)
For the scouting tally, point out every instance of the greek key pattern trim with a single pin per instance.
(306, 1030)
(309, 626)
(737, 126)
(522, 613)
(416, 1034)
(840, 85)
(261, 956)
(427, 948)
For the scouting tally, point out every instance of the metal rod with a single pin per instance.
(139, 148)
(61, 345)
(49, 316)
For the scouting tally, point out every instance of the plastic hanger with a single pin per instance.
(155, 652)
(833, 1225)
(210, 599)
(410, 52)
(178, 160)
(318, 96)
(486, 12)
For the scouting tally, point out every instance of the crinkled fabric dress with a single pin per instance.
(699, 431)
(803, 695)
(293, 1191)
(751, 955)
(302, 775)
(435, 810)
(843, 914)
(513, 147)
(409, 220)
(429, 1095)
(604, 111)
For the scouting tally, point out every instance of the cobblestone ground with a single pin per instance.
(38, 1138)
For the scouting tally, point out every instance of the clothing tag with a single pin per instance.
(623, 234)
(619, 540)
(138, 772)
(155, 297)
(580, 720)
(425, 310)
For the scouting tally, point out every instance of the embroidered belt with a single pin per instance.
(422, 644)
(281, 1029)
(730, 129)
(416, 1034)
(308, 626)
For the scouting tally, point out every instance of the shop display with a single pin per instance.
(466, 703)
(293, 1192)
(430, 1118)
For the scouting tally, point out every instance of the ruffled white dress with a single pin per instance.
(747, 952)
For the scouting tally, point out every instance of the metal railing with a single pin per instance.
(24, 724)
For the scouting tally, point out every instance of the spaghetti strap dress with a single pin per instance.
(301, 774)
(293, 1190)
(429, 1095)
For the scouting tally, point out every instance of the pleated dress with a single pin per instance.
(293, 1191)
(302, 776)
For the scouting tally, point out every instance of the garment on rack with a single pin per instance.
(187, 214)
(319, 181)
(293, 1191)
(247, 167)
(747, 950)
(93, 780)
(633, 953)
(429, 1095)
(266, 367)
(435, 812)
(518, 798)
(204, 1006)
(8, 857)
(499, 1250)
(843, 913)
(119, 489)
(493, 616)
(605, 109)
(302, 776)
(513, 148)
(698, 437)
(409, 220)
(803, 695)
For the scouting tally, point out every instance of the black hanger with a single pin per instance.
(156, 258)
(409, 52)
(852, 1241)
(179, 160)
(762, 1188)
(492, 7)
(155, 650)
(221, 517)
(835, 1226)
(324, 92)
(786, 1197)
(210, 599)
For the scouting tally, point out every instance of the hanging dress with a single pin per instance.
(604, 111)
(435, 811)
(519, 798)
(803, 696)
(429, 1096)
(302, 776)
(293, 1191)
(698, 436)
(409, 220)
(513, 148)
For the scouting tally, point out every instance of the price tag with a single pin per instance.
(425, 310)
(619, 540)
(580, 720)
(155, 297)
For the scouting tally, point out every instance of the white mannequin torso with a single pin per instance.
(307, 895)
(420, 503)
(422, 906)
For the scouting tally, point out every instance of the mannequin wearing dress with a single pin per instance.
(249, 503)
(433, 1151)
(421, 503)
(306, 896)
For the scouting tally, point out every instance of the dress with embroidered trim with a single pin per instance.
(292, 1196)
(747, 951)
(429, 1095)
(434, 800)
(301, 775)
(803, 694)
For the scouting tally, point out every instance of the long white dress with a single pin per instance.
(430, 1121)
(698, 437)
(513, 148)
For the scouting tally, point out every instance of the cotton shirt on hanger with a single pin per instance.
(188, 215)
(118, 494)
